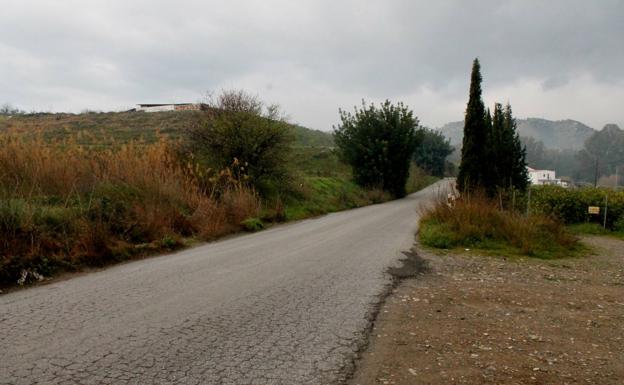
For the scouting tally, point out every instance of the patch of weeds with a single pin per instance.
(252, 224)
(169, 242)
(478, 224)
(435, 235)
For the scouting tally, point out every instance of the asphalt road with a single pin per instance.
(289, 305)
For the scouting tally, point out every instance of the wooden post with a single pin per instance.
(604, 222)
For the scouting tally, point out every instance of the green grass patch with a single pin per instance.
(318, 162)
(594, 229)
(321, 195)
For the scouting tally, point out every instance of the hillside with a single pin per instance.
(560, 134)
(124, 126)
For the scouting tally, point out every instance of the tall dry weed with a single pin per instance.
(63, 203)
(477, 221)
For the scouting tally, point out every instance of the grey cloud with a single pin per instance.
(74, 54)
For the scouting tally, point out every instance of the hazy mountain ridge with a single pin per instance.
(559, 134)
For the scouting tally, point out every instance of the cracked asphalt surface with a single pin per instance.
(289, 305)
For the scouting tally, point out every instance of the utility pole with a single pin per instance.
(595, 171)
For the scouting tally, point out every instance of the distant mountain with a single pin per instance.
(560, 134)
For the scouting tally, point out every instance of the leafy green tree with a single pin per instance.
(473, 169)
(378, 144)
(431, 153)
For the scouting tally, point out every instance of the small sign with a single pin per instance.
(593, 210)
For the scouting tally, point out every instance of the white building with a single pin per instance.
(169, 107)
(542, 177)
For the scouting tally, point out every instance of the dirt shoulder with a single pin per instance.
(484, 320)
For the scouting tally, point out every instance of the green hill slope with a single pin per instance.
(125, 126)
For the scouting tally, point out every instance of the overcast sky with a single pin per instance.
(555, 59)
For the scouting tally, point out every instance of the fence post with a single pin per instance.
(528, 202)
(604, 222)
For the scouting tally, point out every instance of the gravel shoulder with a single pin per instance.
(484, 320)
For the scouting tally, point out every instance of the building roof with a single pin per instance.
(529, 169)
(165, 104)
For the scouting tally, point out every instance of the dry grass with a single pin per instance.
(479, 223)
(63, 205)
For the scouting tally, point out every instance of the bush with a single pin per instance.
(239, 128)
(378, 144)
(478, 222)
(570, 205)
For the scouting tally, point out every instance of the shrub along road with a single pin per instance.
(290, 305)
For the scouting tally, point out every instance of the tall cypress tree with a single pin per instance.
(500, 153)
(507, 153)
(518, 174)
(488, 119)
(473, 166)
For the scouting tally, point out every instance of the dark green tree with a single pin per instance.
(474, 160)
(378, 144)
(519, 177)
(488, 119)
(431, 153)
(508, 156)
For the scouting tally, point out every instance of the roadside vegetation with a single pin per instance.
(478, 223)
(493, 304)
(379, 143)
(74, 193)
(486, 213)
(570, 206)
(495, 210)
(493, 159)
(63, 206)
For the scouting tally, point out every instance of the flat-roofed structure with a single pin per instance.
(153, 107)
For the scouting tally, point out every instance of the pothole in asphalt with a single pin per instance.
(411, 266)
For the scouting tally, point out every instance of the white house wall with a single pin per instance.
(169, 107)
